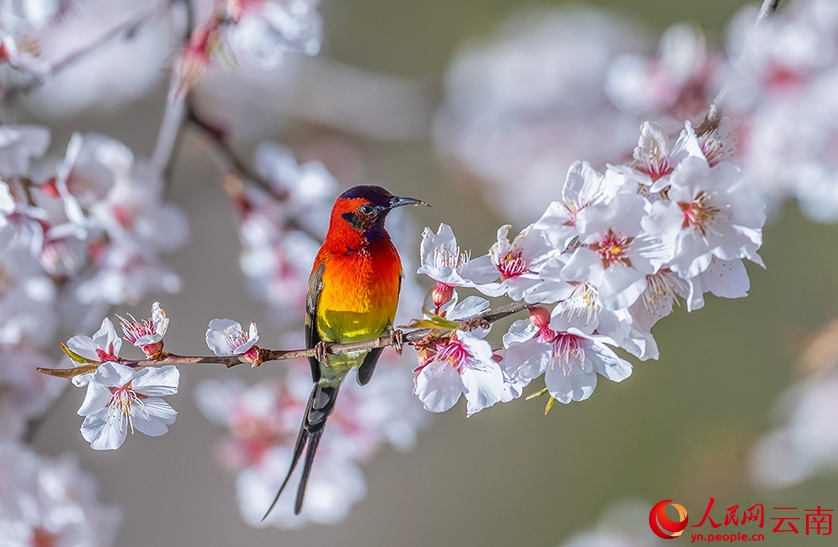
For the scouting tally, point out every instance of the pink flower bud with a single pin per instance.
(442, 294)
(539, 316)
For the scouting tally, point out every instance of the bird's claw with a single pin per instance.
(474, 323)
(397, 341)
(321, 352)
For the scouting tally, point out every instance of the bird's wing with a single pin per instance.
(315, 287)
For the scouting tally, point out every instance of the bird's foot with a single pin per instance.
(321, 352)
(475, 323)
(397, 341)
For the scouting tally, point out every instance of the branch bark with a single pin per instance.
(128, 28)
(714, 112)
(411, 337)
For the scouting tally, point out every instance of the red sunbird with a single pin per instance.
(353, 292)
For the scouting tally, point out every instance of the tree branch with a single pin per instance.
(218, 138)
(714, 112)
(167, 136)
(128, 27)
(413, 337)
(231, 163)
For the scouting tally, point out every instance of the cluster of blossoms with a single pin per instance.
(121, 396)
(782, 98)
(76, 236)
(264, 420)
(46, 501)
(618, 247)
(258, 32)
(612, 255)
(514, 127)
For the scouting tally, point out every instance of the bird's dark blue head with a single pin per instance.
(364, 208)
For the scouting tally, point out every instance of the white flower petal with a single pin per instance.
(438, 386)
(154, 417)
(607, 363)
(112, 374)
(95, 399)
(573, 385)
(483, 387)
(105, 431)
(157, 381)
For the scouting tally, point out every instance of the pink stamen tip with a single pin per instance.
(455, 353)
(512, 265)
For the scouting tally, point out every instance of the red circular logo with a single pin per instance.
(663, 526)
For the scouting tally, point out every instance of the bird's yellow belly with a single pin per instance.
(345, 327)
(358, 300)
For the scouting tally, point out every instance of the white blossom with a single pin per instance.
(583, 187)
(25, 393)
(570, 361)
(442, 260)
(121, 399)
(225, 337)
(677, 83)
(804, 443)
(617, 253)
(463, 366)
(148, 331)
(103, 346)
(525, 104)
(517, 263)
(275, 27)
(710, 212)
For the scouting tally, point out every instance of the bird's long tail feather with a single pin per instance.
(321, 402)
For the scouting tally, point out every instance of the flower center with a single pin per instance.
(567, 349)
(512, 265)
(106, 355)
(583, 300)
(782, 78)
(237, 339)
(613, 249)
(136, 329)
(699, 213)
(456, 354)
(661, 291)
(446, 258)
(58, 259)
(123, 215)
(657, 164)
(123, 402)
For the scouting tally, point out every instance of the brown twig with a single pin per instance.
(411, 337)
(218, 138)
(127, 28)
(230, 163)
(714, 112)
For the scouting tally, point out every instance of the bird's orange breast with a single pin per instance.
(360, 292)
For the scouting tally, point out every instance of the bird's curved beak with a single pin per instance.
(397, 201)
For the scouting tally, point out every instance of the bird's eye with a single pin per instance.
(366, 209)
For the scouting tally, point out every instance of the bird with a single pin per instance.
(353, 291)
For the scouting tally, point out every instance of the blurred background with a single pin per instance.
(681, 427)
